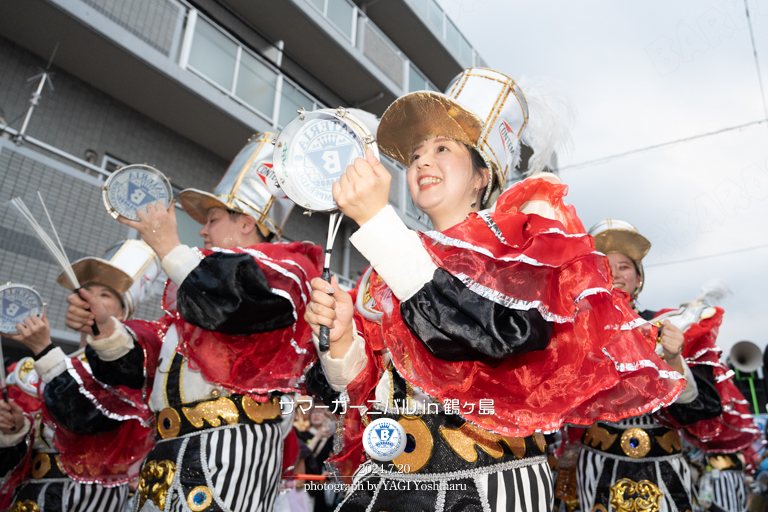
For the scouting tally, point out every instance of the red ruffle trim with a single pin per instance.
(20, 473)
(598, 364)
(260, 363)
(735, 429)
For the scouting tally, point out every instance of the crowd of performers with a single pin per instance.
(505, 322)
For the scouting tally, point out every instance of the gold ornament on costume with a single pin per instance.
(168, 423)
(27, 366)
(24, 506)
(258, 412)
(598, 436)
(463, 440)
(540, 440)
(154, 481)
(199, 498)
(211, 411)
(636, 443)
(419, 457)
(647, 495)
(722, 462)
(41, 465)
(670, 441)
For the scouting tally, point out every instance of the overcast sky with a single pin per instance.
(646, 73)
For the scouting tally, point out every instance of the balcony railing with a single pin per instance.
(445, 30)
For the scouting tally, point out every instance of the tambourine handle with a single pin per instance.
(94, 327)
(325, 332)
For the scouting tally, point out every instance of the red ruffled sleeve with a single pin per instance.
(260, 363)
(30, 405)
(598, 364)
(114, 457)
(734, 430)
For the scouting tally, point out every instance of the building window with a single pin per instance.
(436, 17)
(341, 14)
(292, 100)
(256, 84)
(111, 164)
(213, 54)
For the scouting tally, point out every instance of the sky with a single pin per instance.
(640, 74)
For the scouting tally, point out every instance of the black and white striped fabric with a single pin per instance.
(730, 491)
(243, 464)
(71, 496)
(239, 464)
(528, 488)
(597, 471)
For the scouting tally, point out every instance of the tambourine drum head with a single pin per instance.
(18, 302)
(132, 188)
(312, 153)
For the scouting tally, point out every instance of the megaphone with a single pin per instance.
(746, 357)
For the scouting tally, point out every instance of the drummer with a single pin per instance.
(232, 343)
(95, 455)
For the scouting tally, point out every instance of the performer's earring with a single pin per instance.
(474, 203)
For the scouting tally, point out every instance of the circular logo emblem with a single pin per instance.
(384, 439)
(16, 304)
(320, 153)
(134, 187)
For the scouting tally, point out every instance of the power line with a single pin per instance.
(661, 145)
(696, 258)
(757, 62)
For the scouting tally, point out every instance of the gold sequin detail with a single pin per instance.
(419, 457)
(24, 506)
(211, 411)
(464, 439)
(647, 500)
(258, 412)
(197, 507)
(27, 366)
(595, 436)
(721, 462)
(154, 481)
(41, 465)
(642, 439)
(670, 441)
(168, 423)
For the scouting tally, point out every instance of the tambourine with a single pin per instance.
(17, 303)
(314, 150)
(132, 188)
(311, 154)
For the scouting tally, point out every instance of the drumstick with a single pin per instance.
(333, 227)
(57, 251)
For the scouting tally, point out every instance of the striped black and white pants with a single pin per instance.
(597, 471)
(67, 495)
(232, 469)
(521, 486)
(730, 491)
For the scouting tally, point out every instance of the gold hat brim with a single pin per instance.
(623, 241)
(96, 270)
(197, 203)
(421, 115)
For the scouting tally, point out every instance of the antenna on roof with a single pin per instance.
(45, 76)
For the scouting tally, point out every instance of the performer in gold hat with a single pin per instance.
(234, 342)
(479, 335)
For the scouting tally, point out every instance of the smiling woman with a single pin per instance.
(493, 328)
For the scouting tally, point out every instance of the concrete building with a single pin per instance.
(181, 85)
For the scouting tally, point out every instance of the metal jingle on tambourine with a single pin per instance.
(132, 188)
(313, 151)
(18, 302)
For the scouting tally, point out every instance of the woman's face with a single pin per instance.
(317, 417)
(625, 276)
(440, 177)
(109, 298)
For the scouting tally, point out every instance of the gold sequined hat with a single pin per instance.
(129, 267)
(618, 237)
(484, 109)
(249, 186)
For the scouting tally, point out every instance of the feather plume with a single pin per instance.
(714, 291)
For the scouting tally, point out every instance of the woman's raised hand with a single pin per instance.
(363, 189)
(331, 306)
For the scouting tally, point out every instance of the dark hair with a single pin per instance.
(109, 289)
(233, 216)
(478, 164)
